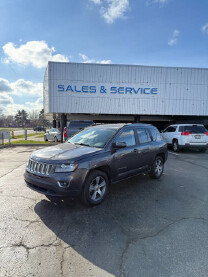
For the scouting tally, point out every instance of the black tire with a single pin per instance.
(157, 168)
(203, 150)
(45, 138)
(95, 188)
(175, 145)
(55, 139)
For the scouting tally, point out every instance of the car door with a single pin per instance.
(145, 149)
(56, 134)
(167, 134)
(50, 134)
(124, 160)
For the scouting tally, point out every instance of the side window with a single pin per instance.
(173, 129)
(167, 130)
(143, 135)
(155, 134)
(170, 129)
(128, 137)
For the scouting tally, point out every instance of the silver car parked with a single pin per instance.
(53, 134)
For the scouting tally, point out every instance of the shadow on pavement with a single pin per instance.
(100, 233)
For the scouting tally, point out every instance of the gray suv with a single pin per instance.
(76, 126)
(89, 162)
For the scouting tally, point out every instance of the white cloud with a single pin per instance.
(176, 33)
(21, 87)
(85, 59)
(205, 28)
(9, 107)
(37, 105)
(4, 85)
(174, 38)
(112, 9)
(172, 41)
(97, 2)
(5, 100)
(160, 2)
(35, 53)
(105, 62)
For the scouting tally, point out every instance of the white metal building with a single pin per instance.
(126, 92)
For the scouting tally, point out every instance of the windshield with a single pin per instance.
(194, 129)
(93, 137)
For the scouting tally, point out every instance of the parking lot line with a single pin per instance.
(173, 153)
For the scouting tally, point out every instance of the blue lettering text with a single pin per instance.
(69, 88)
(93, 89)
(60, 87)
(113, 90)
(154, 91)
(121, 90)
(84, 88)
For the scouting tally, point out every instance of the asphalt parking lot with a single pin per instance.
(145, 227)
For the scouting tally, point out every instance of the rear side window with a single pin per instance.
(193, 129)
(128, 137)
(155, 134)
(143, 135)
(79, 124)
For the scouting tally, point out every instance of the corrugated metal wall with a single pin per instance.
(181, 91)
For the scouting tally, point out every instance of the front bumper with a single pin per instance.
(49, 185)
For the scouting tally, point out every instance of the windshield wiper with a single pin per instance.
(83, 144)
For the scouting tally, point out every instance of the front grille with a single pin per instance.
(38, 167)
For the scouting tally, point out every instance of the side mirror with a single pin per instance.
(119, 145)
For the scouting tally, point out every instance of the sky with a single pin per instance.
(142, 32)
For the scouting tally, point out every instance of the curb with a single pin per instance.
(28, 145)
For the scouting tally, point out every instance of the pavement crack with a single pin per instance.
(134, 238)
(124, 230)
(28, 248)
(13, 170)
(62, 261)
(190, 162)
(27, 220)
(18, 196)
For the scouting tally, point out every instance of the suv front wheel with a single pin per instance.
(157, 168)
(95, 188)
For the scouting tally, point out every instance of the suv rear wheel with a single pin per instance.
(175, 145)
(95, 188)
(157, 168)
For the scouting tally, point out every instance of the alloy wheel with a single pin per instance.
(97, 188)
(175, 146)
(158, 167)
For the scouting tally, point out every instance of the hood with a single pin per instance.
(66, 151)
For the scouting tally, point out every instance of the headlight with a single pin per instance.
(66, 167)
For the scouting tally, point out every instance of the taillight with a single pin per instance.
(185, 133)
(64, 132)
(206, 133)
